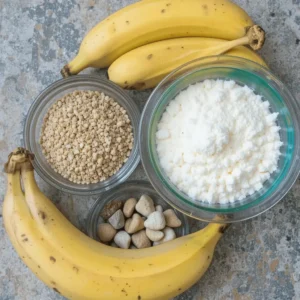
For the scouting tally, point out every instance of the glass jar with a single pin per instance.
(264, 83)
(130, 189)
(34, 122)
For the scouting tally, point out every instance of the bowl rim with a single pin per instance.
(103, 198)
(134, 115)
(161, 184)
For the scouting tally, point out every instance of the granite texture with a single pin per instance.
(256, 259)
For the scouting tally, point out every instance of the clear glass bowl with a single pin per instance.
(35, 118)
(130, 189)
(264, 83)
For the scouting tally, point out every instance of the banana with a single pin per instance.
(146, 66)
(145, 22)
(80, 268)
(247, 53)
(15, 200)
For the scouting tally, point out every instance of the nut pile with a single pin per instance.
(86, 137)
(137, 224)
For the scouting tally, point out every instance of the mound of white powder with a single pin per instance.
(218, 141)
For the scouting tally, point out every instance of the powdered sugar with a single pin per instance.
(218, 141)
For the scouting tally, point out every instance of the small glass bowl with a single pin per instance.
(130, 189)
(264, 83)
(35, 118)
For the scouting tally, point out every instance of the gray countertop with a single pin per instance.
(256, 259)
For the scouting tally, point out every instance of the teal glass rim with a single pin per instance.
(261, 80)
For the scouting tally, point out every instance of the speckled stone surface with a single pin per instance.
(257, 259)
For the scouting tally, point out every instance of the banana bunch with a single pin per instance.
(80, 268)
(146, 66)
(134, 40)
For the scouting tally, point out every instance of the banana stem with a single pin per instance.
(75, 66)
(19, 161)
(19, 158)
(255, 38)
(211, 231)
(224, 47)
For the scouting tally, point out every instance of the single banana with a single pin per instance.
(145, 22)
(80, 268)
(15, 201)
(146, 66)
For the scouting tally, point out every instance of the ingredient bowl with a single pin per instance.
(130, 189)
(35, 118)
(262, 82)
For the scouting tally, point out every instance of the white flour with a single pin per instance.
(218, 142)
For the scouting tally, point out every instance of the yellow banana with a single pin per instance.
(145, 22)
(247, 53)
(81, 268)
(146, 66)
(15, 201)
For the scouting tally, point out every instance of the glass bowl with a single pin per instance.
(130, 189)
(264, 83)
(35, 118)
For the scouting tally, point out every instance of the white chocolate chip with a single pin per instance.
(159, 208)
(154, 235)
(169, 236)
(106, 232)
(145, 206)
(155, 221)
(129, 207)
(122, 239)
(117, 219)
(134, 224)
(171, 219)
(140, 240)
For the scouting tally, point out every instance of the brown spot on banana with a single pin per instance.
(52, 259)
(76, 269)
(149, 56)
(56, 290)
(118, 268)
(205, 9)
(42, 214)
(139, 86)
(163, 11)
